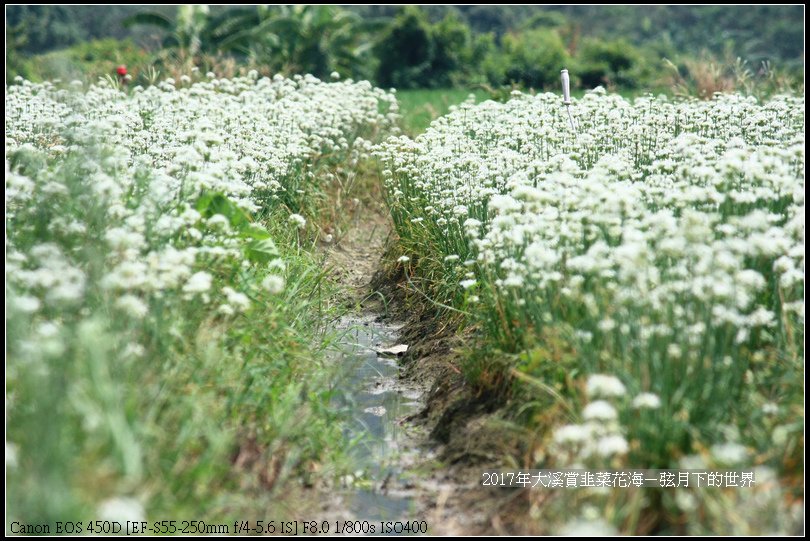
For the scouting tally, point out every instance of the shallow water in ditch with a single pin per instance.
(378, 402)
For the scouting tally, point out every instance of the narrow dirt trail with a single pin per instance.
(355, 255)
(407, 482)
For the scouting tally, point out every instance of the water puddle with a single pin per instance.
(378, 402)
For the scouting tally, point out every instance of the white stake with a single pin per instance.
(566, 87)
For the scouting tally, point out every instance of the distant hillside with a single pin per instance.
(764, 32)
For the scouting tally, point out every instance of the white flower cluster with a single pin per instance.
(664, 230)
(244, 137)
(600, 434)
(664, 237)
(161, 184)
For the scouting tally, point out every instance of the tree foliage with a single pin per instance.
(429, 46)
(532, 58)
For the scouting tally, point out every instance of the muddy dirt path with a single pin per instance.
(398, 402)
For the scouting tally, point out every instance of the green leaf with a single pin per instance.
(261, 251)
(153, 19)
(211, 203)
(255, 232)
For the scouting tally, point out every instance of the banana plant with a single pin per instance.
(192, 31)
(300, 39)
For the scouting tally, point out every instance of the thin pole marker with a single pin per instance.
(566, 87)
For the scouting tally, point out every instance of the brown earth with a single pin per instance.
(462, 430)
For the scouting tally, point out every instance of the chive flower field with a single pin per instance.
(637, 282)
(163, 318)
(626, 278)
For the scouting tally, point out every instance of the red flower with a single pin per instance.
(121, 70)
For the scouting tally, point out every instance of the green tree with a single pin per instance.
(610, 63)
(545, 19)
(405, 50)
(45, 27)
(15, 62)
(191, 32)
(453, 60)
(413, 53)
(314, 39)
(532, 58)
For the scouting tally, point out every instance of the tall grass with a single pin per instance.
(660, 245)
(165, 308)
(705, 75)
